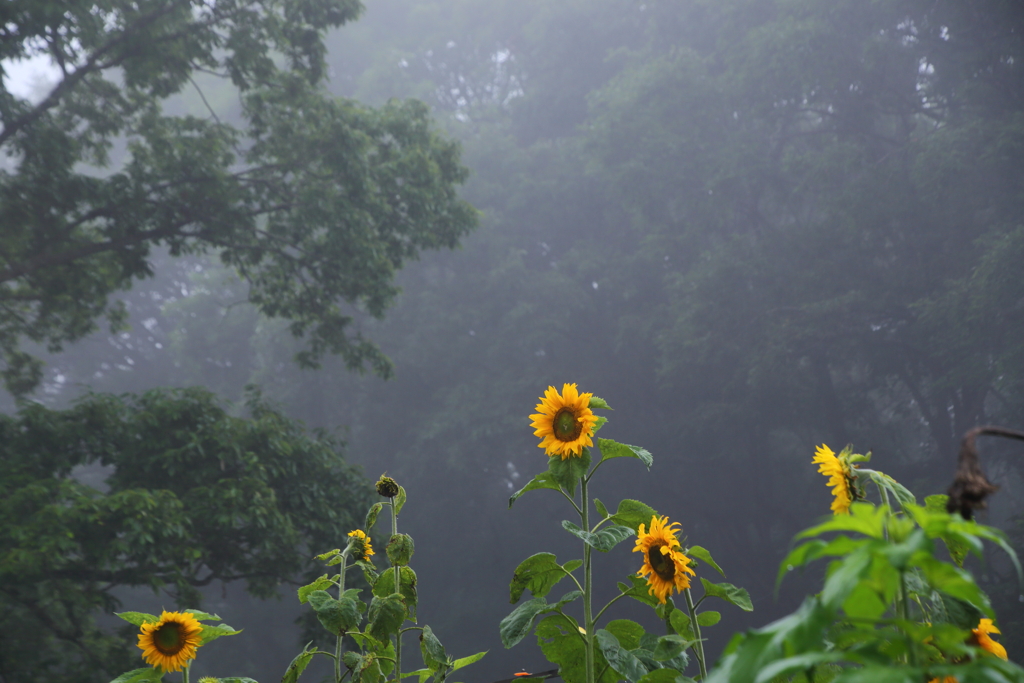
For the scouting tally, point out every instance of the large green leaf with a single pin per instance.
(633, 513)
(538, 573)
(385, 616)
(407, 586)
(613, 449)
(138, 618)
(704, 556)
(147, 675)
(516, 625)
(730, 593)
(568, 472)
(212, 632)
(638, 589)
(544, 480)
(298, 665)
(603, 539)
(619, 658)
(434, 655)
(562, 643)
(321, 583)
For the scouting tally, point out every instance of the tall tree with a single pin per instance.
(316, 201)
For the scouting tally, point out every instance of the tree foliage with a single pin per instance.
(316, 201)
(192, 496)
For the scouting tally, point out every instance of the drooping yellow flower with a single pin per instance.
(665, 565)
(564, 422)
(981, 638)
(171, 642)
(839, 476)
(362, 543)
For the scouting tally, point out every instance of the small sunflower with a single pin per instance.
(665, 565)
(171, 642)
(985, 627)
(362, 543)
(564, 422)
(840, 476)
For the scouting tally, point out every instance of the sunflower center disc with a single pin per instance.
(168, 639)
(565, 425)
(661, 564)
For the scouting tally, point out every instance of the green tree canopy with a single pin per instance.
(316, 201)
(193, 496)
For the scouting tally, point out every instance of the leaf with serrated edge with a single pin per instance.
(544, 480)
(730, 593)
(613, 449)
(137, 618)
(704, 556)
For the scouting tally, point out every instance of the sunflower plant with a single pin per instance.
(169, 643)
(566, 424)
(897, 604)
(375, 626)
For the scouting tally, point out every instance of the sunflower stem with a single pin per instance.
(341, 592)
(698, 647)
(588, 619)
(184, 672)
(398, 636)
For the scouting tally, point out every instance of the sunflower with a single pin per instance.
(985, 627)
(170, 642)
(665, 564)
(362, 543)
(564, 422)
(839, 474)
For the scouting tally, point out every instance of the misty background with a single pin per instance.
(752, 227)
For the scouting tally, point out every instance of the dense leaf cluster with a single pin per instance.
(315, 201)
(193, 496)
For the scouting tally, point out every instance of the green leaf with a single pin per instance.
(200, 615)
(666, 676)
(790, 665)
(601, 421)
(137, 618)
(516, 625)
(538, 573)
(212, 632)
(627, 632)
(633, 513)
(466, 661)
(708, 618)
(337, 616)
(613, 449)
(601, 509)
(681, 624)
(399, 500)
(400, 549)
(730, 593)
(864, 603)
(385, 616)
(864, 518)
(895, 488)
(618, 658)
(434, 656)
(562, 644)
(638, 589)
(704, 556)
(670, 646)
(603, 539)
(236, 679)
(371, 516)
(569, 471)
(147, 675)
(598, 403)
(298, 665)
(544, 480)
(322, 583)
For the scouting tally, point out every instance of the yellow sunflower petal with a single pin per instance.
(665, 567)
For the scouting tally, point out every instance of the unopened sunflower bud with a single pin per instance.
(387, 487)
